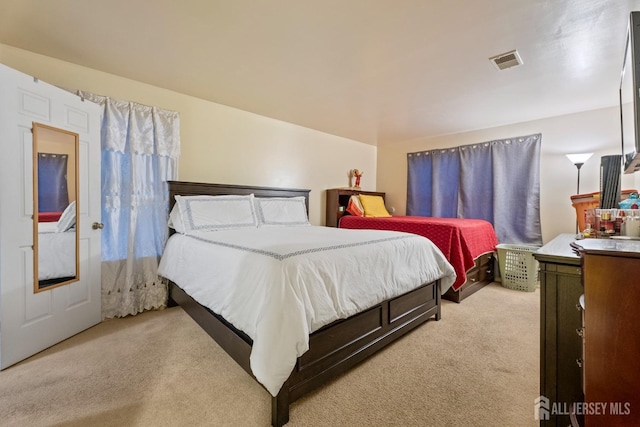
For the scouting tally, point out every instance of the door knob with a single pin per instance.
(97, 226)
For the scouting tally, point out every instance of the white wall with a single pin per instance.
(593, 131)
(222, 144)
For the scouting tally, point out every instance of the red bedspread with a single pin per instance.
(49, 216)
(460, 240)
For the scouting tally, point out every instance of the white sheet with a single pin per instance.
(56, 252)
(279, 285)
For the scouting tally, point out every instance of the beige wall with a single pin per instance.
(223, 144)
(594, 131)
(227, 145)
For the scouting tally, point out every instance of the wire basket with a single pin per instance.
(518, 267)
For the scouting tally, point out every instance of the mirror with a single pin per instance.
(55, 194)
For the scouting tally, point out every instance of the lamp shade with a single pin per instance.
(580, 158)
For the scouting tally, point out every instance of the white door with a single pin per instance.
(31, 322)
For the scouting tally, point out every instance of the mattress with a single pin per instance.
(278, 285)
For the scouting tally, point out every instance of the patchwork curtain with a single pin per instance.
(498, 181)
(53, 194)
(140, 150)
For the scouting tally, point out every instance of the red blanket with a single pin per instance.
(49, 216)
(460, 240)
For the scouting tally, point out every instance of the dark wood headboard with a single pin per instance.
(184, 188)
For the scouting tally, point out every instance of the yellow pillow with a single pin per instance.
(373, 206)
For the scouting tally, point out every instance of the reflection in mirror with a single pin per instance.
(55, 193)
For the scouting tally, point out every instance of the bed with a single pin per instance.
(468, 244)
(331, 348)
(56, 254)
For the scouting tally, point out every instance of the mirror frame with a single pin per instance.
(76, 141)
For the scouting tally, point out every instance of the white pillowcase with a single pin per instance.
(68, 218)
(212, 213)
(281, 211)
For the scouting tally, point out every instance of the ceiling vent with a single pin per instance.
(506, 60)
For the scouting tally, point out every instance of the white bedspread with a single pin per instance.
(56, 252)
(280, 284)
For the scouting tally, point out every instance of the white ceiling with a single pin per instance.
(376, 71)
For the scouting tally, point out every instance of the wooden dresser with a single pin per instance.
(611, 337)
(560, 319)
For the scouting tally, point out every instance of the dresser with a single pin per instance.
(560, 322)
(611, 336)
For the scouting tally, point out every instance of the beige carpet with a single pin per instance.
(478, 366)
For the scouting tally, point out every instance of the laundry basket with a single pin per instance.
(518, 267)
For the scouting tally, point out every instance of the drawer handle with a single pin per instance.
(579, 362)
(580, 332)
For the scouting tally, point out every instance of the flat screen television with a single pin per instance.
(630, 97)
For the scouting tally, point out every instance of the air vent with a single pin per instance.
(506, 60)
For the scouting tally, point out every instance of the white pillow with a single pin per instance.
(68, 218)
(212, 213)
(281, 211)
(175, 219)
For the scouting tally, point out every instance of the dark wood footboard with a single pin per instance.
(339, 346)
(333, 349)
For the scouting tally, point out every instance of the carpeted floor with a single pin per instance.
(478, 366)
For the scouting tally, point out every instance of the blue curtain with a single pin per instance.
(53, 193)
(445, 166)
(419, 188)
(498, 181)
(140, 150)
